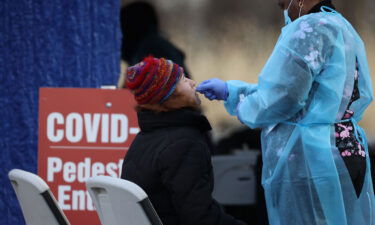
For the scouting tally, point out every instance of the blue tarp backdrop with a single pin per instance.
(47, 43)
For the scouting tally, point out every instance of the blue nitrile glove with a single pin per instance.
(214, 89)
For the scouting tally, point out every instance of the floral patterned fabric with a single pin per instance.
(346, 140)
(347, 143)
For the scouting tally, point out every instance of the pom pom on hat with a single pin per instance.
(153, 80)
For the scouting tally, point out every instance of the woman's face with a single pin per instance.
(184, 95)
(293, 11)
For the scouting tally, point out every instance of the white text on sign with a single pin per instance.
(71, 172)
(113, 127)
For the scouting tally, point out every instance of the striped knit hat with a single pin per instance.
(153, 80)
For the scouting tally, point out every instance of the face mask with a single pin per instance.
(288, 20)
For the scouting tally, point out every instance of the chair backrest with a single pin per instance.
(38, 204)
(234, 178)
(118, 201)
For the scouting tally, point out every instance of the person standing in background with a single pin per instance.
(310, 96)
(141, 37)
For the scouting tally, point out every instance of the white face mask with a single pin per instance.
(288, 20)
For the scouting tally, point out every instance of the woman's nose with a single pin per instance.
(193, 83)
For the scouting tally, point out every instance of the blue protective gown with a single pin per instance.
(303, 90)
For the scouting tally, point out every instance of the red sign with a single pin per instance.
(82, 133)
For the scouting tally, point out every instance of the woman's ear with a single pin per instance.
(173, 102)
(154, 107)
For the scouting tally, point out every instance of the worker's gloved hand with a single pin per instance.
(213, 89)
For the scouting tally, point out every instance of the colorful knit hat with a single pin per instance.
(153, 80)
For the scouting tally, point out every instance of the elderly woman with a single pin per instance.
(310, 96)
(170, 158)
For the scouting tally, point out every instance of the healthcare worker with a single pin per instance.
(309, 98)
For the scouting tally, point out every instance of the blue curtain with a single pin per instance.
(47, 43)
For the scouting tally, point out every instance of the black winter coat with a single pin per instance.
(171, 161)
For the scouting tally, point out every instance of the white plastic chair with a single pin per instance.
(38, 204)
(234, 178)
(118, 201)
